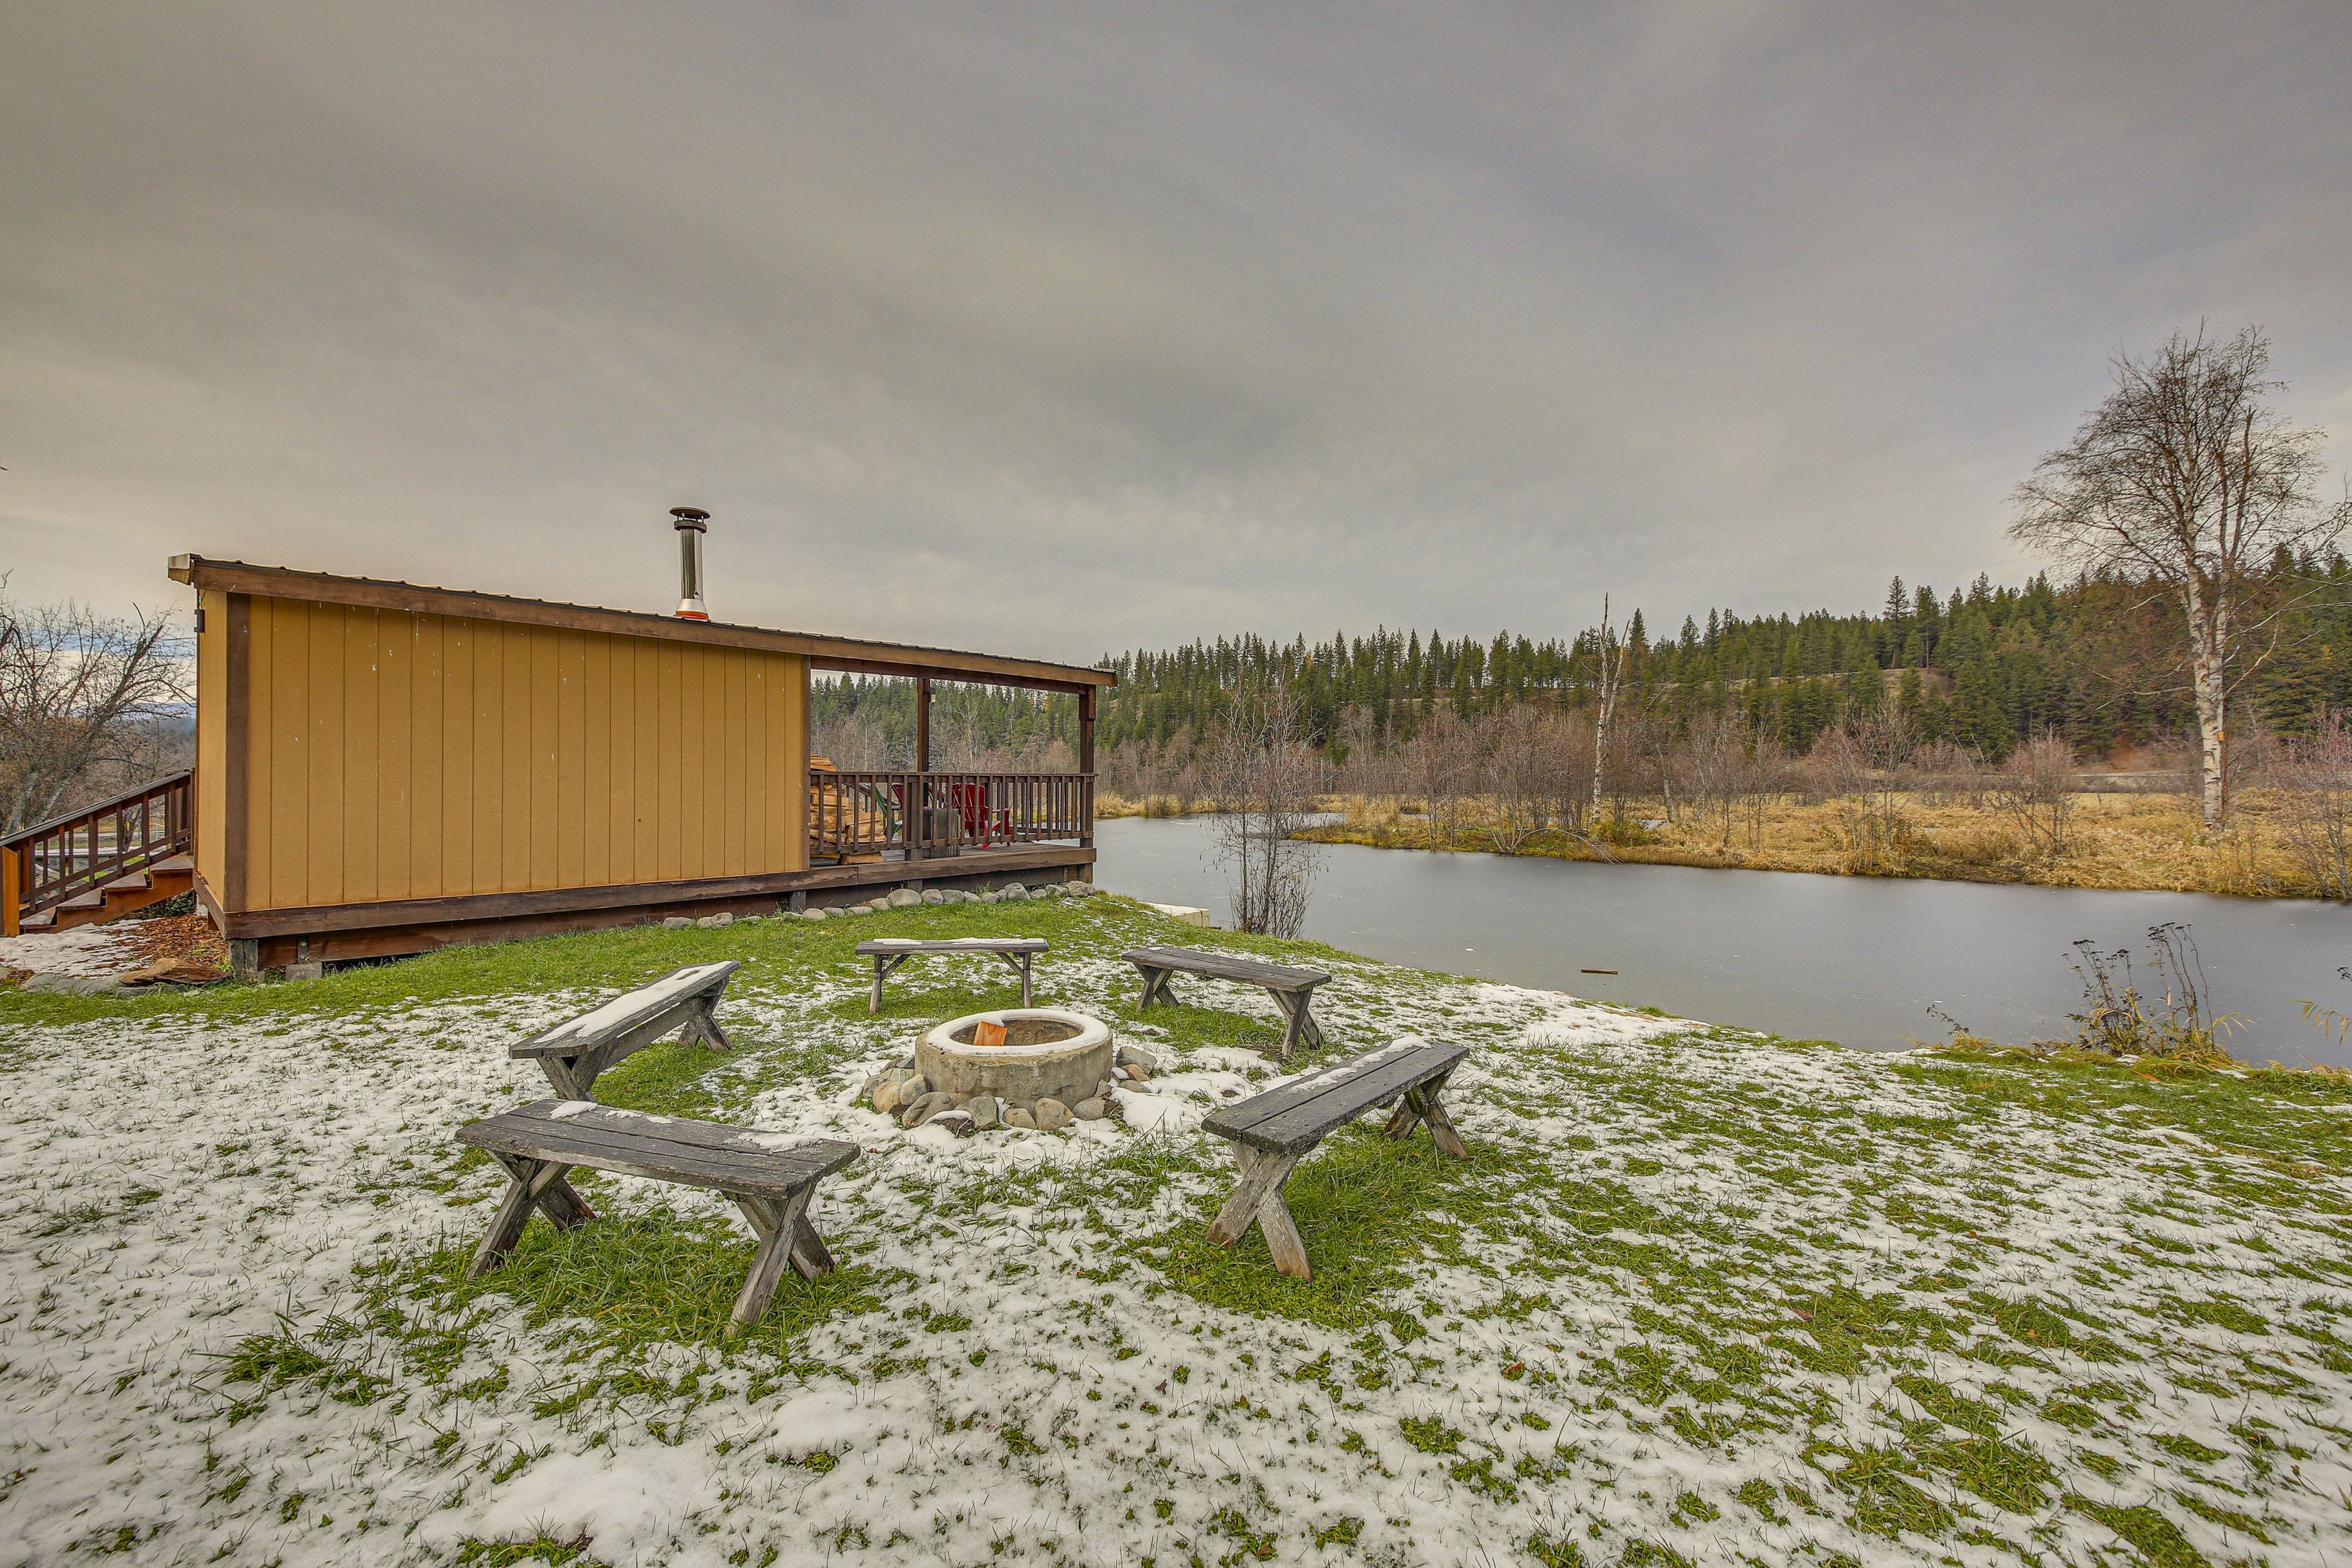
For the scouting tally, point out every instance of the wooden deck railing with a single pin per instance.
(53, 862)
(874, 816)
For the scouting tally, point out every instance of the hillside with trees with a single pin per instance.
(1983, 669)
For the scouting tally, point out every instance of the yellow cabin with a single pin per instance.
(385, 769)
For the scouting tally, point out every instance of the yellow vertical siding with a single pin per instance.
(400, 756)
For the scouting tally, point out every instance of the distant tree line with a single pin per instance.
(1985, 668)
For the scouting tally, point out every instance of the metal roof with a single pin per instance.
(850, 654)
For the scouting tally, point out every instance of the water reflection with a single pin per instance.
(1855, 959)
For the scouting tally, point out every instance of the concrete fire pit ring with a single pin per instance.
(1026, 1069)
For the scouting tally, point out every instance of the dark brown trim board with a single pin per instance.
(237, 576)
(236, 740)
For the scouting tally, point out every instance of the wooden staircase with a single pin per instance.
(124, 895)
(101, 863)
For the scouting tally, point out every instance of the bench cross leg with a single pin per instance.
(1421, 1104)
(1299, 1026)
(1156, 988)
(885, 964)
(1019, 965)
(531, 1184)
(810, 1257)
(784, 1239)
(1257, 1198)
(702, 1023)
(572, 1077)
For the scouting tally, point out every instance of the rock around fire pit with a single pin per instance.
(1020, 1068)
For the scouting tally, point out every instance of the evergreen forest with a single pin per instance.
(2098, 662)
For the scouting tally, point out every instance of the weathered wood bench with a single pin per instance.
(772, 1176)
(890, 952)
(1272, 1132)
(1292, 989)
(573, 1054)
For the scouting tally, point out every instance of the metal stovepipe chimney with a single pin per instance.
(692, 523)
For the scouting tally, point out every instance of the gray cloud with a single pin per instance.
(1061, 329)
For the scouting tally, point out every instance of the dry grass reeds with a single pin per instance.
(2119, 841)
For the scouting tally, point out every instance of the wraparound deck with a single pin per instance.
(336, 931)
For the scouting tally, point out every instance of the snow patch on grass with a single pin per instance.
(1697, 1294)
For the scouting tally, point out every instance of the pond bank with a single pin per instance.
(2111, 842)
(1854, 959)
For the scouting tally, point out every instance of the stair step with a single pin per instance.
(85, 901)
(41, 922)
(177, 863)
(135, 883)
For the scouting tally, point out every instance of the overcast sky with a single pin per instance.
(1049, 329)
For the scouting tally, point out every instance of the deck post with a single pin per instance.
(922, 724)
(1086, 764)
(918, 793)
(12, 891)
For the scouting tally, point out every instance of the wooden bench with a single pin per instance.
(1292, 989)
(772, 1176)
(573, 1054)
(1271, 1132)
(890, 952)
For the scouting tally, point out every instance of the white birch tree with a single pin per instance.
(2186, 477)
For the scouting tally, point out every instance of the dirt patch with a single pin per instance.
(188, 940)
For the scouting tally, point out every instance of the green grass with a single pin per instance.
(638, 1279)
(472, 1553)
(1368, 1209)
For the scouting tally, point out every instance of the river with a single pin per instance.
(1854, 959)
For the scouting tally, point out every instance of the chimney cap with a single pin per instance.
(691, 517)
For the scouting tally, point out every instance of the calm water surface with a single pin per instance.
(1820, 957)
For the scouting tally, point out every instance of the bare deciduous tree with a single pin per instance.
(81, 696)
(1445, 769)
(1531, 760)
(1613, 654)
(2315, 780)
(1571, 773)
(1761, 780)
(1716, 759)
(2185, 476)
(1266, 778)
(2036, 786)
(1888, 741)
(1841, 769)
(853, 742)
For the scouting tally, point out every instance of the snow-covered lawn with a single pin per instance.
(1699, 1296)
(84, 950)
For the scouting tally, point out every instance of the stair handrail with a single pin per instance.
(42, 867)
(155, 787)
